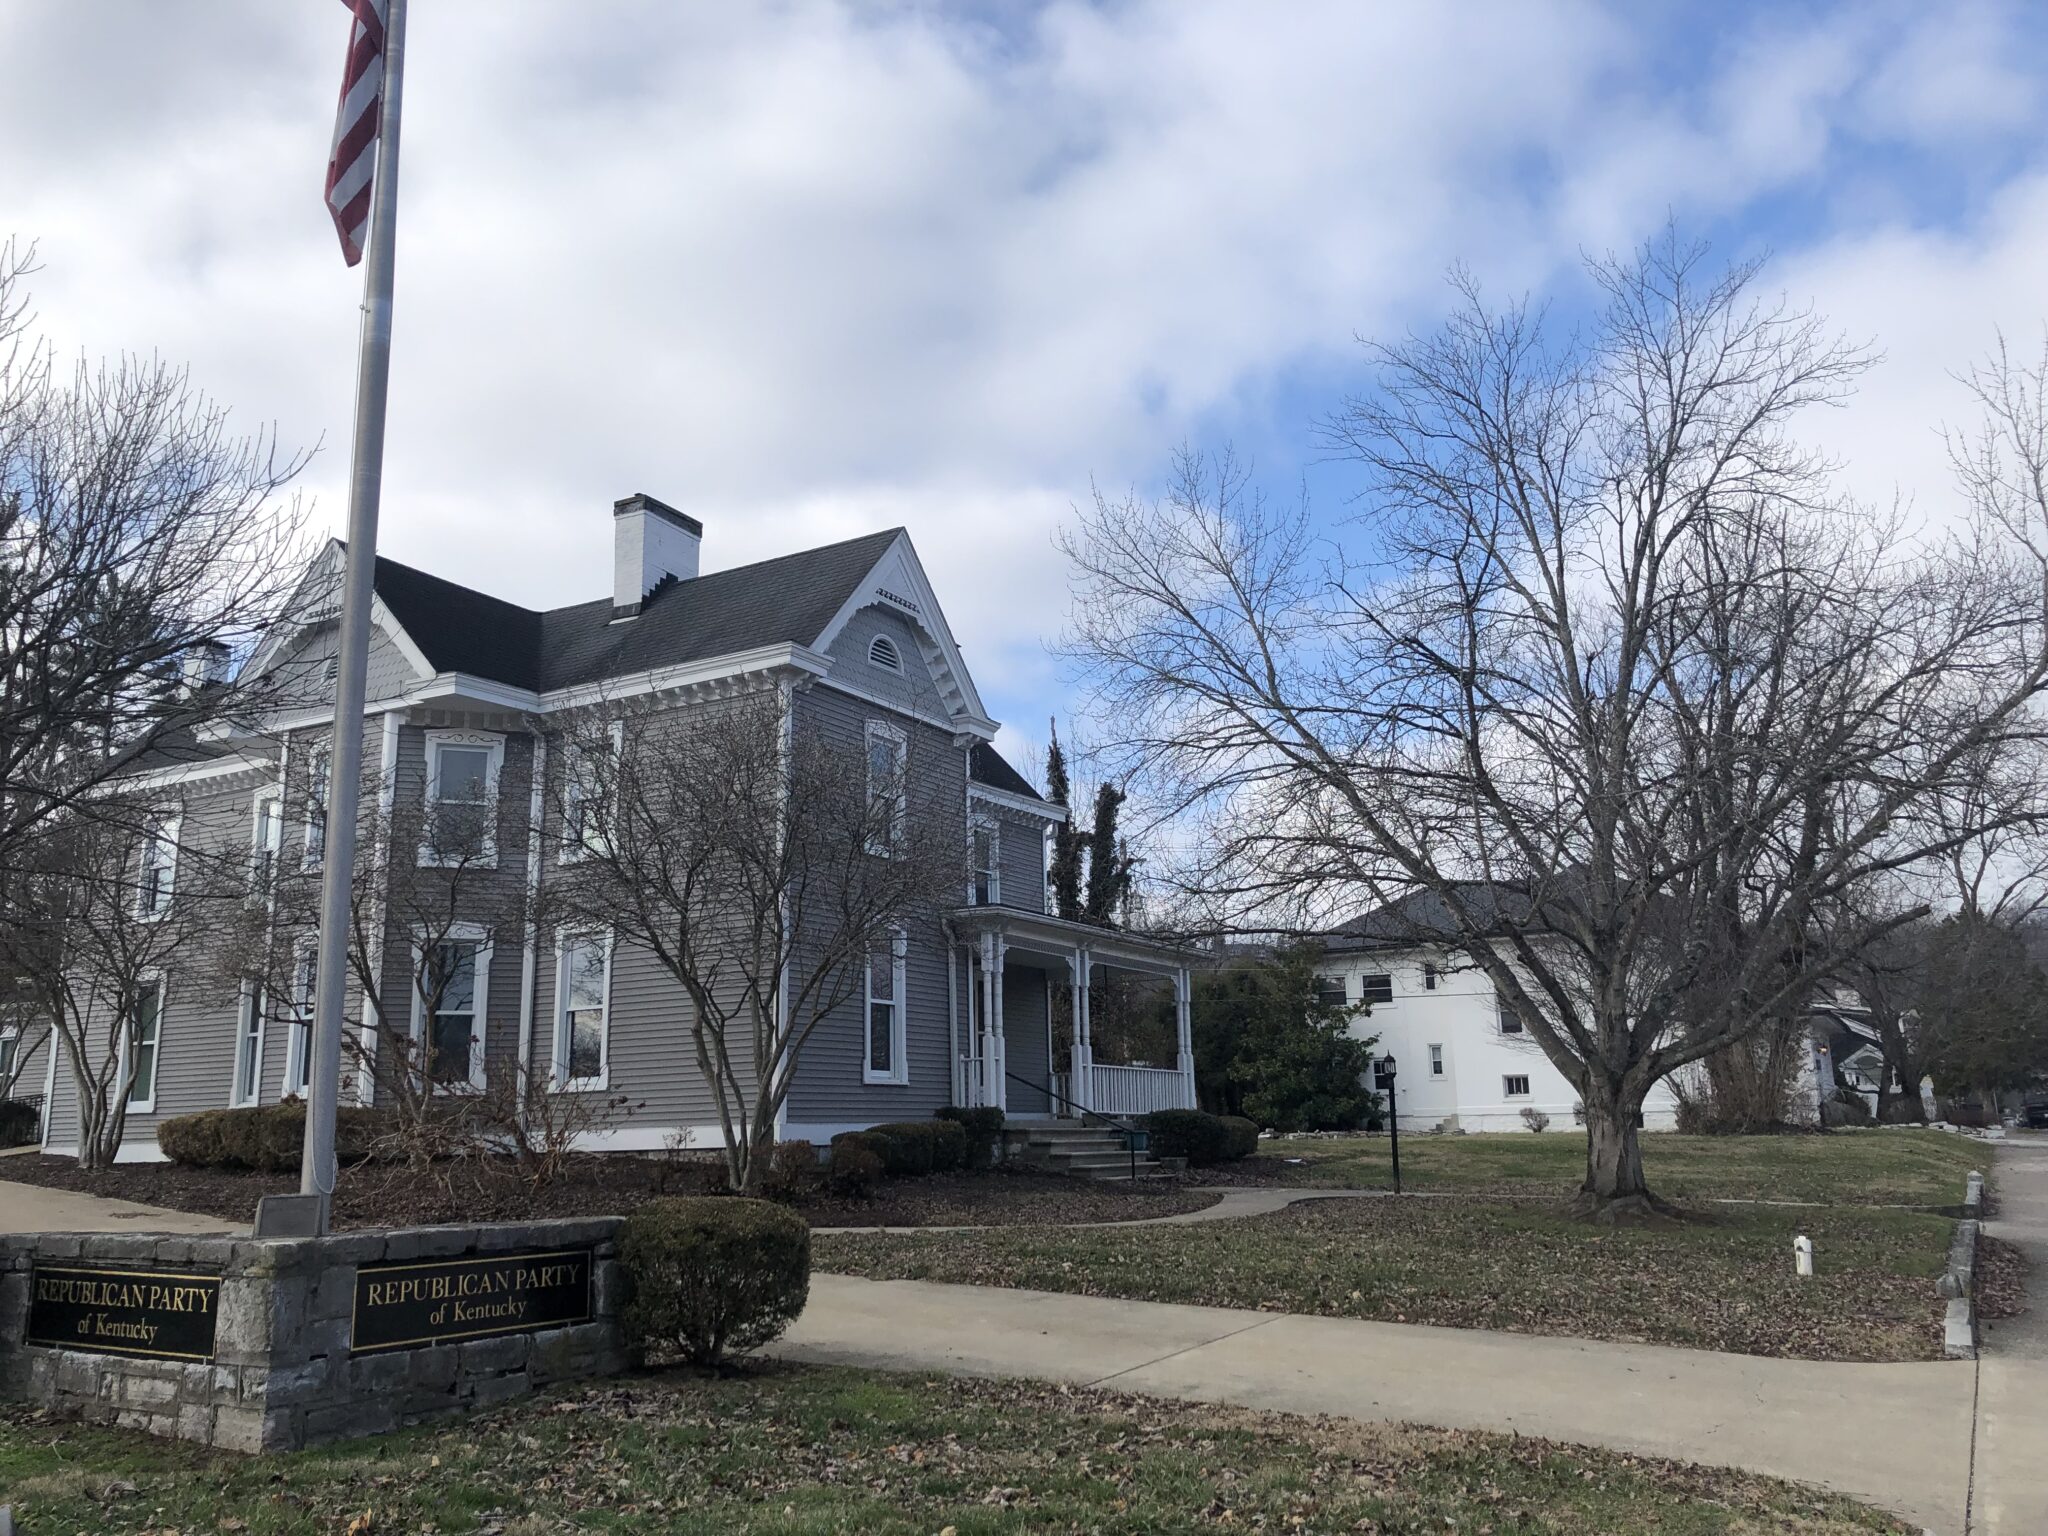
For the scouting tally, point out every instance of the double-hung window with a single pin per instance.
(884, 1061)
(298, 1060)
(266, 836)
(10, 1053)
(888, 798)
(583, 976)
(1330, 992)
(1436, 1061)
(586, 797)
(1375, 987)
(248, 1084)
(451, 988)
(158, 867)
(985, 879)
(462, 798)
(1510, 1021)
(317, 769)
(145, 1039)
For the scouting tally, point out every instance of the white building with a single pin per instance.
(1465, 1062)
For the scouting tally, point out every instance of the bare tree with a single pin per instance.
(141, 545)
(1610, 672)
(761, 864)
(92, 936)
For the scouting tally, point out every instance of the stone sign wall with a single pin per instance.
(274, 1344)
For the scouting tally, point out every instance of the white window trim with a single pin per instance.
(575, 851)
(1503, 1010)
(299, 1043)
(1436, 1061)
(259, 826)
(479, 1035)
(165, 833)
(1321, 984)
(436, 741)
(1515, 1077)
(249, 1021)
(156, 1076)
(10, 1035)
(319, 764)
(1365, 992)
(558, 1077)
(882, 730)
(994, 829)
(899, 1073)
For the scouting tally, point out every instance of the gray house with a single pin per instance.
(461, 686)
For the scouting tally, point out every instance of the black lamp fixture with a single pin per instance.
(1393, 1116)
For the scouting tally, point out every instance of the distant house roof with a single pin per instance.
(985, 765)
(787, 600)
(1423, 917)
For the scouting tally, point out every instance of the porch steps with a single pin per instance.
(1084, 1151)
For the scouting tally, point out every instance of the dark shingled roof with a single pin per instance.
(1423, 917)
(787, 600)
(985, 765)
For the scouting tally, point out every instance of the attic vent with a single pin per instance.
(332, 670)
(882, 653)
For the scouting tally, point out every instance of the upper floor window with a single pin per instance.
(1330, 992)
(1429, 974)
(583, 1001)
(882, 653)
(1375, 988)
(586, 794)
(145, 1037)
(884, 1062)
(266, 836)
(1510, 1021)
(158, 867)
(888, 799)
(317, 770)
(462, 798)
(985, 878)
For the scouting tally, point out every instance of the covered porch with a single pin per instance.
(1009, 967)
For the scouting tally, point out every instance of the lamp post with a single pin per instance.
(1393, 1115)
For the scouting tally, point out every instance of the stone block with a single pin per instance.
(59, 1245)
(242, 1330)
(1959, 1332)
(333, 1293)
(429, 1242)
(488, 1356)
(352, 1248)
(78, 1376)
(307, 1383)
(433, 1368)
(490, 1391)
(328, 1336)
(378, 1373)
(608, 1285)
(345, 1420)
(138, 1390)
(195, 1422)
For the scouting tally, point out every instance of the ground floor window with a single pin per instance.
(249, 1048)
(1515, 1086)
(1436, 1061)
(885, 1043)
(583, 991)
(449, 995)
(298, 1070)
(10, 1046)
(145, 1037)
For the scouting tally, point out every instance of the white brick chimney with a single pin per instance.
(650, 540)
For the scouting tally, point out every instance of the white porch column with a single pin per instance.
(999, 1056)
(1082, 1086)
(984, 1022)
(1183, 999)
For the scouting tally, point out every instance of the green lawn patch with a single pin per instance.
(790, 1452)
(1875, 1167)
(1722, 1283)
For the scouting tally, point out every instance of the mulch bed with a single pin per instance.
(378, 1196)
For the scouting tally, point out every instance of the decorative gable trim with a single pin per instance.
(330, 563)
(898, 583)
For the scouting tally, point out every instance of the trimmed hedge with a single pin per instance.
(266, 1139)
(20, 1122)
(710, 1274)
(984, 1127)
(909, 1148)
(1242, 1136)
(949, 1146)
(1194, 1134)
(792, 1169)
(854, 1171)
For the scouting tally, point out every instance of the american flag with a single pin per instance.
(352, 164)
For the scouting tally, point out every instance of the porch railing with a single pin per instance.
(1136, 1090)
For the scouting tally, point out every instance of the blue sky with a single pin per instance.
(810, 268)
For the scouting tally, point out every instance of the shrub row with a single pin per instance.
(20, 1122)
(267, 1139)
(710, 1274)
(984, 1127)
(1200, 1137)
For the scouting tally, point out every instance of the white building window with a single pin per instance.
(266, 836)
(583, 977)
(1428, 978)
(248, 1083)
(158, 870)
(1373, 987)
(462, 798)
(1330, 992)
(586, 800)
(1436, 1061)
(145, 1040)
(882, 653)
(1510, 1021)
(888, 790)
(298, 1056)
(318, 766)
(1515, 1085)
(450, 998)
(10, 1049)
(985, 879)
(885, 1061)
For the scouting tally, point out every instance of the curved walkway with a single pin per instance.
(1234, 1202)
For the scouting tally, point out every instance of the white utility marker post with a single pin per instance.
(365, 491)
(1802, 1256)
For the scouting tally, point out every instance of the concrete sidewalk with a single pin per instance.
(32, 1208)
(1894, 1435)
(2011, 1488)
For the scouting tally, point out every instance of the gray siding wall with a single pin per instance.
(1027, 1043)
(912, 688)
(300, 671)
(829, 1089)
(1020, 854)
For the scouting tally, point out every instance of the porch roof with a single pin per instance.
(1041, 930)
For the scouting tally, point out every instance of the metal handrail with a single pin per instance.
(1130, 1132)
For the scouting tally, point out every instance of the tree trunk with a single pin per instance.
(1615, 1192)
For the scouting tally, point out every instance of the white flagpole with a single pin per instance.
(365, 489)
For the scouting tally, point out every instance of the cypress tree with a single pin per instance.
(1109, 869)
(1065, 874)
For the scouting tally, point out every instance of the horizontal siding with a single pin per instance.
(912, 689)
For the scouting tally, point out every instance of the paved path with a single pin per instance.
(1895, 1435)
(2011, 1487)
(32, 1208)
